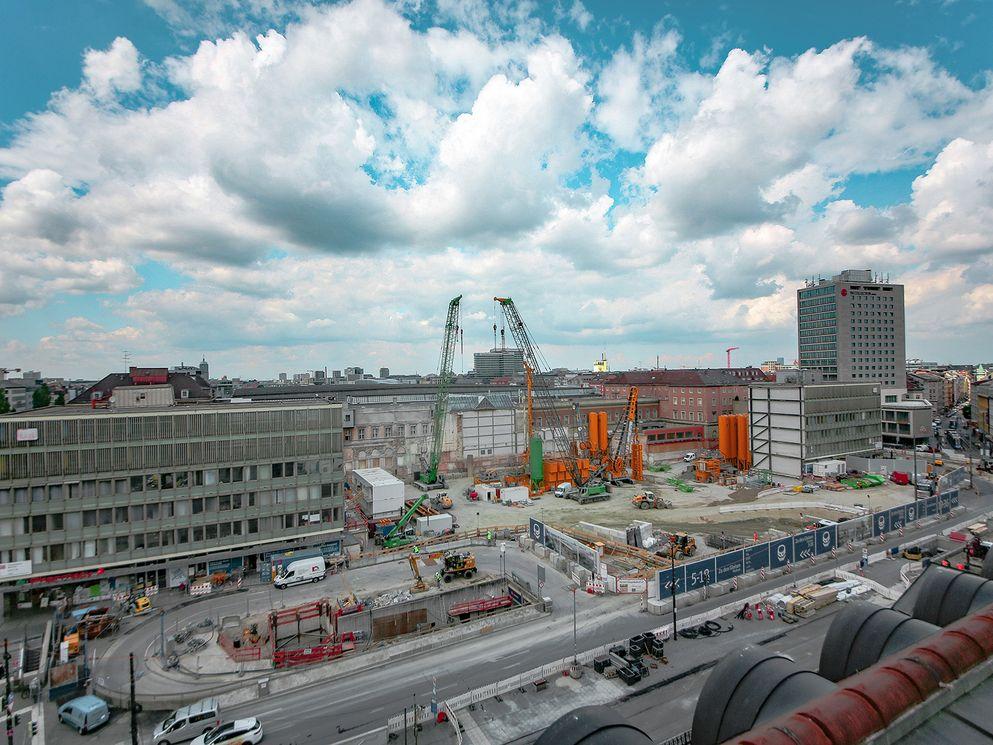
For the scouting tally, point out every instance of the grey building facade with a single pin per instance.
(851, 329)
(498, 363)
(107, 492)
(791, 425)
(906, 424)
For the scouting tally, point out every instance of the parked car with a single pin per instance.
(188, 722)
(689, 457)
(238, 732)
(84, 714)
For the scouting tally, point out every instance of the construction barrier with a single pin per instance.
(203, 589)
(239, 653)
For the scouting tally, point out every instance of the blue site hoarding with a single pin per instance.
(782, 551)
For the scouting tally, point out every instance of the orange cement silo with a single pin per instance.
(724, 436)
(593, 433)
(603, 432)
(744, 452)
(732, 436)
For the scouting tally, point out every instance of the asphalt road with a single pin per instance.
(354, 709)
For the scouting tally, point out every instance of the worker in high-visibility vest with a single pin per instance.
(489, 536)
(415, 550)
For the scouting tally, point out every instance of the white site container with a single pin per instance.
(514, 494)
(829, 468)
(379, 492)
(432, 524)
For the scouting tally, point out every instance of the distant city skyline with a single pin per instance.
(238, 180)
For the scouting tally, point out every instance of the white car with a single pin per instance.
(238, 732)
(923, 449)
(689, 457)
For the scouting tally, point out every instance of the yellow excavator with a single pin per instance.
(419, 585)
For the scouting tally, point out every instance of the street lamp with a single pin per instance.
(672, 584)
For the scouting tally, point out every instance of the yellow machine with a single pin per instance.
(682, 544)
(650, 500)
(458, 565)
(419, 585)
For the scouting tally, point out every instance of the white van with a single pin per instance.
(188, 722)
(302, 570)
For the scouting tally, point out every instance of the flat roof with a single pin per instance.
(82, 410)
(376, 476)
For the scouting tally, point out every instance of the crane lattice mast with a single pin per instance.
(445, 378)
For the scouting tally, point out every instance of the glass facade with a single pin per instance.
(96, 488)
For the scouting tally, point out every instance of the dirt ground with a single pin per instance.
(697, 511)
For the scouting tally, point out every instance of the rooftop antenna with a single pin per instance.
(126, 355)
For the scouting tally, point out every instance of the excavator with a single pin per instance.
(400, 535)
(419, 585)
(458, 564)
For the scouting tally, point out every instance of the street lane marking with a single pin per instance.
(363, 735)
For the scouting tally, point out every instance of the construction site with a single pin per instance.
(590, 478)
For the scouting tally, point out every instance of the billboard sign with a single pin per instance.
(827, 539)
(781, 553)
(665, 580)
(896, 517)
(730, 565)
(700, 573)
(756, 557)
(880, 523)
(804, 545)
(537, 531)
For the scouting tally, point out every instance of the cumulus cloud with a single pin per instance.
(325, 177)
(115, 70)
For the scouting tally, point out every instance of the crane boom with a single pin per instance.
(445, 377)
(534, 366)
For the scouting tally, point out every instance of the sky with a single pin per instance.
(282, 185)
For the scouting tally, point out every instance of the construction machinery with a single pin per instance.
(651, 501)
(458, 564)
(625, 459)
(442, 501)
(542, 473)
(400, 534)
(431, 477)
(681, 544)
(419, 584)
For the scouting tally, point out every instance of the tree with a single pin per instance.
(967, 411)
(41, 397)
(4, 403)
(60, 399)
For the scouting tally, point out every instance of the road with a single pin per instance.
(360, 706)
(354, 709)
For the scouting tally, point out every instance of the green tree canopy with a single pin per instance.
(4, 403)
(41, 397)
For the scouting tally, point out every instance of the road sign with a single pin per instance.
(827, 539)
(781, 553)
(537, 531)
(541, 576)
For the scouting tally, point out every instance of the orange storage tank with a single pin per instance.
(603, 431)
(732, 436)
(742, 432)
(724, 436)
(593, 434)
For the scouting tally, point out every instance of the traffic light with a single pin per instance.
(34, 728)
(17, 720)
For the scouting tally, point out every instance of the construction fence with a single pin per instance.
(783, 553)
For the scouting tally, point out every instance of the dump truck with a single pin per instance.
(650, 501)
(458, 564)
